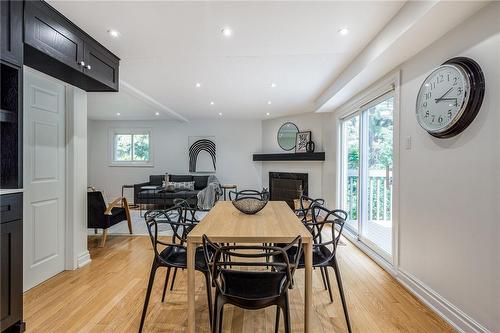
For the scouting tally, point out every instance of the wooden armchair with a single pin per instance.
(101, 216)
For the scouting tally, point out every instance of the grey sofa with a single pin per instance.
(161, 198)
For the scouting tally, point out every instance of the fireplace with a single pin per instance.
(287, 186)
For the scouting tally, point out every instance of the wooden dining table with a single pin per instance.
(276, 223)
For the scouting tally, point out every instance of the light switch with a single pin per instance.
(408, 142)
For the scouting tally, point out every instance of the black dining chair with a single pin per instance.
(188, 216)
(258, 284)
(325, 250)
(304, 211)
(174, 254)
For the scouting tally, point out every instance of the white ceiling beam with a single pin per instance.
(417, 25)
(131, 90)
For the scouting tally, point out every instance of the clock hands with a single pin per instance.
(445, 99)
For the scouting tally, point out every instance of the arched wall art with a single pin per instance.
(202, 154)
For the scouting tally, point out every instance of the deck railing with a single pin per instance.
(379, 192)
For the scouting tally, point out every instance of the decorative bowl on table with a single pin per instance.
(249, 205)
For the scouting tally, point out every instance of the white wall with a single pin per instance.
(236, 142)
(305, 122)
(449, 233)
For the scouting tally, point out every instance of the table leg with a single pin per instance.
(308, 287)
(191, 248)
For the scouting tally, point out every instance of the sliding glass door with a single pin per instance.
(367, 161)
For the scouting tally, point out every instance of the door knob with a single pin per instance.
(88, 67)
(82, 63)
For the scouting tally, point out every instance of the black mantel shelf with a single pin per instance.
(319, 156)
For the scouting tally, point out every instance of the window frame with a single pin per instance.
(113, 132)
(355, 105)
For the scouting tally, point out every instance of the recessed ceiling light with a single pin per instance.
(269, 102)
(220, 113)
(113, 33)
(212, 103)
(268, 114)
(198, 84)
(226, 32)
(157, 113)
(344, 31)
(273, 85)
(118, 114)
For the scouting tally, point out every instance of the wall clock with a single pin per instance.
(450, 97)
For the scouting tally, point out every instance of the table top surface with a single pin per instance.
(275, 223)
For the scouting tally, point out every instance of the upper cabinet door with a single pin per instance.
(11, 30)
(101, 65)
(49, 32)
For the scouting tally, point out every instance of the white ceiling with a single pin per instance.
(166, 47)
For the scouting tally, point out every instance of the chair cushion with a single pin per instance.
(180, 178)
(252, 284)
(117, 215)
(200, 182)
(177, 256)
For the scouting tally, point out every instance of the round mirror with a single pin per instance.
(286, 136)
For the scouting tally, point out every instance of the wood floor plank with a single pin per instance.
(108, 294)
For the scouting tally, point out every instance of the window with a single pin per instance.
(131, 147)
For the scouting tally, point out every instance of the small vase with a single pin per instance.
(310, 147)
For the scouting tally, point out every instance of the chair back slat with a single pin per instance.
(322, 217)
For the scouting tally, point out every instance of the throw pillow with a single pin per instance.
(181, 186)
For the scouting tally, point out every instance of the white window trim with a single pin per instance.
(127, 130)
(389, 82)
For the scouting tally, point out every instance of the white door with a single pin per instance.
(44, 173)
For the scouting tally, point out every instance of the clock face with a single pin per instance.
(442, 98)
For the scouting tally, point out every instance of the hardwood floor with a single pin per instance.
(108, 294)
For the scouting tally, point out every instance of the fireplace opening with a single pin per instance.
(287, 186)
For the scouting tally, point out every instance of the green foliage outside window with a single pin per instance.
(132, 147)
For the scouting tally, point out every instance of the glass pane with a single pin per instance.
(141, 147)
(351, 171)
(378, 226)
(123, 147)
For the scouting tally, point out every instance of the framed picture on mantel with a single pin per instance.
(301, 140)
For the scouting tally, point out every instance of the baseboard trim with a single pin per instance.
(449, 312)
(442, 307)
(83, 259)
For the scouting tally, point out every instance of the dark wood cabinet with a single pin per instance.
(11, 256)
(52, 34)
(57, 47)
(101, 65)
(11, 31)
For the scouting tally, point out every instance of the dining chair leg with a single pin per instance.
(328, 284)
(323, 277)
(286, 315)
(221, 316)
(215, 315)
(277, 322)
(173, 279)
(209, 297)
(148, 294)
(165, 285)
(341, 291)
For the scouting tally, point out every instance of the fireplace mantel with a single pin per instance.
(319, 156)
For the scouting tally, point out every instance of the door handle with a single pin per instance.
(388, 180)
